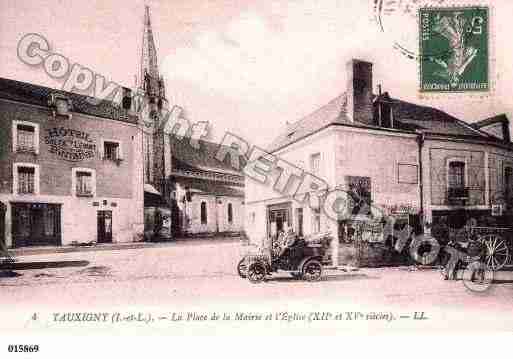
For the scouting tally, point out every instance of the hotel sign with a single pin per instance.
(70, 145)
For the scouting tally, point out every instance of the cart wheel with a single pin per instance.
(312, 270)
(242, 268)
(497, 252)
(256, 272)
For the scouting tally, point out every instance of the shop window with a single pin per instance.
(360, 192)
(26, 178)
(315, 163)
(203, 213)
(84, 182)
(25, 137)
(230, 213)
(35, 224)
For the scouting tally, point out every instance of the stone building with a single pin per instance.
(172, 168)
(209, 193)
(69, 168)
(74, 169)
(402, 158)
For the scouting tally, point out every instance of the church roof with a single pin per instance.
(186, 157)
(408, 117)
(211, 187)
(39, 95)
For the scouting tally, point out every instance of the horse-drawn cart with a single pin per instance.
(498, 243)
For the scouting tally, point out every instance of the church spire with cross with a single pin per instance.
(151, 82)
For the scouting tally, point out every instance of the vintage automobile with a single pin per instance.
(303, 258)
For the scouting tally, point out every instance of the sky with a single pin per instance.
(247, 66)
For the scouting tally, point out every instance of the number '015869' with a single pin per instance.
(20, 348)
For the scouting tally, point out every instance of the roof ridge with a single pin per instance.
(327, 104)
(490, 120)
(115, 104)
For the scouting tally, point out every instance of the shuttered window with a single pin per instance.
(25, 136)
(26, 177)
(84, 183)
(457, 174)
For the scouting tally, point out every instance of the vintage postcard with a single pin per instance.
(254, 167)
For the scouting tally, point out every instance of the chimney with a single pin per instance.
(359, 91)
(127, 98)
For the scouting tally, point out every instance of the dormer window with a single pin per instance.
(384, 111)
(60, 105)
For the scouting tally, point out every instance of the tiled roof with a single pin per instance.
(38, 95)
(411, 117)
(408, 117)
(187, 157)
(211, 187)
(331, 113)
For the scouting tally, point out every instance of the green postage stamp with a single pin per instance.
(454, 49)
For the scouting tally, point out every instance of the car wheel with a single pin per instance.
(312, 270)
(256, 272)
(242, 268)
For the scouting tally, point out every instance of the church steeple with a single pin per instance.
(151, 82)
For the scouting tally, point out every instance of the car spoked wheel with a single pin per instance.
(242, 268)
(256, 272)
(312, 270)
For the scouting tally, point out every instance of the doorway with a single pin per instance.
(104, 226)
(3, 209)
(278, 218)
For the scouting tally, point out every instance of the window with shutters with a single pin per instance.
(25, 178)
(456, 175)
(111, 150)
(25, 137)
(84, 182)
(315, 163)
